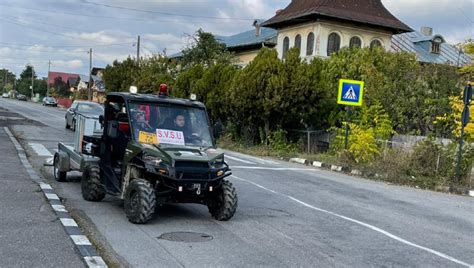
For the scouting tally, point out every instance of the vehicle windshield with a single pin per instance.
(90, 108)
(167, 124)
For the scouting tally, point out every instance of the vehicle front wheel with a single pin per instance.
(91, 187)
(224, 205)
(67, 125)
(58, 175)
(73, 125)
(140, 201)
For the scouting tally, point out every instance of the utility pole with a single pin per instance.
(47, 80)
(32, 82)
(89, 85)
(4, 79)
(138, 51)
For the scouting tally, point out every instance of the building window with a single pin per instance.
(436, 45)
(286, 45)
(298, 42)
(355, 42)
(310, 44)
(435, 48)
(375, 43)
(334, 43)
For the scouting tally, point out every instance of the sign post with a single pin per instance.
(467, 98)
(351, 93)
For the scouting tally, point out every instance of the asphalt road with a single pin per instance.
(288, 216)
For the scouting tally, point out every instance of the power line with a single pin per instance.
(106, 17)
(47, 31)
(164, 13)
(62, 46)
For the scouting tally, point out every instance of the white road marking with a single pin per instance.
(270, 168)
(59, 208)
(68, 222)
(95, 262)
(40, 150)
(80, 240)
(52, 196)
(45, 186)
(374, 228)
(239, 160)
(253, 158)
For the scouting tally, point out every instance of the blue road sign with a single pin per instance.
(351, 92)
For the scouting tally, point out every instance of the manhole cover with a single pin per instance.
(186, 237)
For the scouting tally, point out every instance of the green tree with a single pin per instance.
(214, 87)
(256, 96)
(119, 76)
(153, 72)
(24, 82)
(7, 78)
(205, 50)
(186, 81)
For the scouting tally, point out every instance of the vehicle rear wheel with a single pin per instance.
(91, 187)
(67, 125)
(140, 201)
(58, 175)
(223, 207)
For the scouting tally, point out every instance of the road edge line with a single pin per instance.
(366, 225)
(83, 246)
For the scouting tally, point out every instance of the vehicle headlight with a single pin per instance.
(153, 160)
(218, 162)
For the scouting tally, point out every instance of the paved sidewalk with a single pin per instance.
(30, 233)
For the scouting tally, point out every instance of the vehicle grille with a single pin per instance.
(192, 176)
(191, 164)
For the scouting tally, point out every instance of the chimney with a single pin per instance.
(258, 28)
(427, 31)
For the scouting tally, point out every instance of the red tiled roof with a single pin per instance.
(370, 12)
(64, 76)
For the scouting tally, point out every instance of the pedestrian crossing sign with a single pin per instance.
(351, 92)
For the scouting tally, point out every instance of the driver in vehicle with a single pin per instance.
(180, 125)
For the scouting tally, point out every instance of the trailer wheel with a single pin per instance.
(224, 205)
(140, 201)
(91, 186)
(58, 175)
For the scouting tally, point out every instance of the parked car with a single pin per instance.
(5, 95)
(86, 108)
(21, 97)
(50, 101)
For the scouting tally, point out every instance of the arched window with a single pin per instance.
(334, 43)
(355, 42)
(286, 45)
(310, 44)
(298, 42)
(375, 43)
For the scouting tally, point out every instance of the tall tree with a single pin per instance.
(6, 78)
(121, 75)
(24, 81)
(205, 50)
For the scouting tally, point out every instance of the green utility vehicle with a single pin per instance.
(150, 150)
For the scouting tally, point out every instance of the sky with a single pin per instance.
(36, 31)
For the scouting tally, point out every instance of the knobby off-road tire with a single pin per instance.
(91, 186)
(225, 204)
(58, 175)
(140, 201)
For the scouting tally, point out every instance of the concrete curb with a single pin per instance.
(344, 169)
(82, 243)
